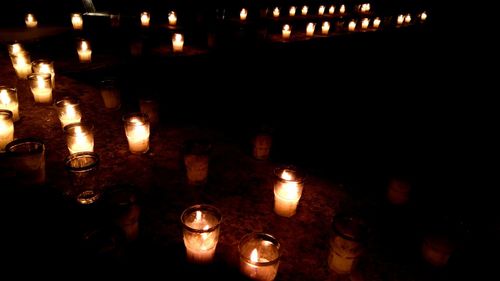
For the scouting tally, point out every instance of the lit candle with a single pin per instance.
(325, 28)
(304, 10)
(201, 228)
(310, 29)
(68, 110)
(77, 21)
(172, 18)
(145, 19)
(6, 128)
(137, 132)
(352, 25)
(8, 101)
(331, 10)
(45, 66)
(408, 18)
(342, 9)
(177, 42)
(401, 18)
(376, 22)
(15, 49)
(30, 21)
(79, 138)
(287, 191)
(41, 87)
(365, 8)
(22, 65)
(84, 52)
(321, 10)
(276, 12)
(259, 256)
(292, 11)
(287, 30)
(243, 14)
(365, 23)
(423, 16)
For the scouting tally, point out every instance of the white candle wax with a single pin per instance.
(172, 18)
(79, 139)
(145, 18)
(258, 272)
(177, 42)
(137, 131)
(6, 130)
(77, 21)
(292, 11)
(243, 14)
(325, 28)
(22, 66)
(321, 10)
(331, 10)
(84, 52)
(276, 12)
(352, 26)
(310, 29)
(304, 10)
(287, 30)
(42, 90)
(69, 113)
(201, 246)
(9, 102)
(287, 193)
(31, 21)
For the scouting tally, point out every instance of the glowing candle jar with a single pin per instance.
(22, 65)
(77, 21)
(292, 11)
(376, 23)
(423, 16)
(41, 87)
(321, 10)
(45, 66)
(79, 138)
(364, 23)
(145, 17)
(352, 26)
(30, 21)
(68, 110)
(331, 10)
(84, 52)
(304, 10)
(243, 14)
(6, 128)
(177, 43)
(201, 228)
(345, 243)
(310, 29)
(342, 9)
(325, 28)
(172, 18)
(400, 20)
(276, 12)
(287, 30)
(137, 132)
(288, 188)
(14, 50)
(407, 18)
(259, 256)
(8, 101)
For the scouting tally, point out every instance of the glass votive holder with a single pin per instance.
(345, 243)
(22, 64)
(201, 228)
(77, 21)
(8, 101)
(79, 137)
(172, 18)
(137, 130)
(82, 168)
(398, 191)
(145, 18)
(177, 42)
(196, 159)
(15, 49)
(6, 128)
(110, 94)
(288, 186)
(68, 110)
(45, 66)
(27, 158)
(262, 146)
(259, 256)
(30, 21)
(150, 108)
(124, 209)
(84, 51)
(41, 87)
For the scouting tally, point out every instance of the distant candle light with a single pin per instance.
(365, 23)
(376, 22)
(321, 10)
(145, 18)
(305, 9)
(352, 25)
(177, 42)
(276, 12)
(325, 28)
(287, 30)
(77, 21)
(408, 18)
(342, 9)
(31, 21)
(310, 29)
(172, 18)
(292, 11)
(423, 16)
(243, 14)
(401, 18)
(331, 10)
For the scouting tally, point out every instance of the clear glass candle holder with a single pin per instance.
(45, 66)
(122, 204)
(259, 256)
(196, 161)
(288, 186)
(27, 158)
(6, 128)
(110, 94)
(41, 87)
(31, 21)
(150, 108)
(137, 130)
(68, 110)
(77, 21)
(8, 101)
(84, 51)
(82, 168)
(345, 243)
(79, 137)
(201, 228)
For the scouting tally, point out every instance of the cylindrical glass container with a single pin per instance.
(27, 157)
(68, 110)
(6, 128)
(137, 132)
(82, 168)
(288, 186)
(8, 101)
(45, 66)
(79, 137)
(41, 87)
(345, 243)
(259, 256)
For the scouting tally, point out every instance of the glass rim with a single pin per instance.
(214, 210)
(265, 237)
(87, 154)
(44, 75)
(11, 146)
(62, 101)
(300, 176)
(38, 61)
(8, 88)
(359, 227)
(88, 126)
(9, 113)
(126, 118)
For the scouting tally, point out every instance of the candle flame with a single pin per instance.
(286, 27)
(178, 37)
(79, 131)
(44, 68)
(254, 256)
(197, 216)
(16, 48)
(30, 18)
(4, 97)
(304, 10)
(292, 11)
(321, 10)
(423, 16)
(243, 14)
(70, 111)
(286, 175)
(401, 19)
(84, 46)
(276, 12)
(342, 9)
(376, 22)
(172, 18)
(408, 18)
